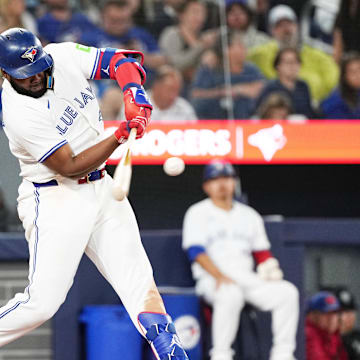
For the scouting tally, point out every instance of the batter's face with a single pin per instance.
(34, 86)
(220, 189)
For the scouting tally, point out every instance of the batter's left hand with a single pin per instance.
(137, 109)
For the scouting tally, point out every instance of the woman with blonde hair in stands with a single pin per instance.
(13, 14)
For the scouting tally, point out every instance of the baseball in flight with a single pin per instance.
(174, 166)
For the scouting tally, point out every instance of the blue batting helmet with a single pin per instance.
(21, 54)
(218, 168)
(324, 302)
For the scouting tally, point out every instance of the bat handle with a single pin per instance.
(129, 144)
(132, 136)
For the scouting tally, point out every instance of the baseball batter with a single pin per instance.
(221, 237)
(54, 126)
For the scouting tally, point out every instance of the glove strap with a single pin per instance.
(161, 335)
(139, 96)
(131, 84)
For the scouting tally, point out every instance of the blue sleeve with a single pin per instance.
(194, 251)
(334, 107)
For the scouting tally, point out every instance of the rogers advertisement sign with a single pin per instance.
(247, 142)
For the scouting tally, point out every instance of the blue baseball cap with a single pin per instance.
(218, 168)
(324, 302)
(21, 54)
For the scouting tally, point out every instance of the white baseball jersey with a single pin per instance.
(70, 113)
(228, 237)
(82, 217)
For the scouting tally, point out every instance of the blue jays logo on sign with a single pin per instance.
(30, 54)
(188, 329)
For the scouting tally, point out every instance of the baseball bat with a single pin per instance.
(122, 174)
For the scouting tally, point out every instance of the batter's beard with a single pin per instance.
(34, 94)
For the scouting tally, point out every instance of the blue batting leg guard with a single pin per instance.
(161, 334)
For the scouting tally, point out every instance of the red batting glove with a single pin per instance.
(122, 133)
(137, 109)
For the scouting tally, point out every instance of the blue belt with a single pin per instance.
(93, 176)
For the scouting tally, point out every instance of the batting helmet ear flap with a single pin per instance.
(21, 54)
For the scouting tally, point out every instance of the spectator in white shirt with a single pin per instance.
(168, 105)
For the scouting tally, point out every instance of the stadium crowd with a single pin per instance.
(284, 60)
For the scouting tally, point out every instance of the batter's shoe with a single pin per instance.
(160, 332)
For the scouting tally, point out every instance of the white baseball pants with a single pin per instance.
(279, 297)
(61, 223)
